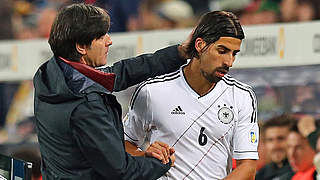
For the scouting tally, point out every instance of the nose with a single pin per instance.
(229, 60)
(273, 145)
(108, 41)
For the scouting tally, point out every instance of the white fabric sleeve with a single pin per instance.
(246, 135)
(136, 123)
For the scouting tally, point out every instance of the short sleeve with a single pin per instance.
(137, 121)
(246, 135)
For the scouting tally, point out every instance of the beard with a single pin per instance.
(212, 76)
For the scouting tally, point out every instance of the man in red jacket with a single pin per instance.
(300, 155)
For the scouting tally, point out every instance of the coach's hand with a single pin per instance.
(160, 151)
(183, 47)
(172, 156)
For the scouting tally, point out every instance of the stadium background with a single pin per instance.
(279, 57)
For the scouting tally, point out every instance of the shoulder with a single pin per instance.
(240, 88)
(231, 81)
(162, 79)
(49, 69)
(155, 83)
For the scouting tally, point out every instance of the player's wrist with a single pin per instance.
(139, 152)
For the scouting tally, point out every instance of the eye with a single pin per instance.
(235, 53)
(222, 51)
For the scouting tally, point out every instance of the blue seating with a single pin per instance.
(14, 169)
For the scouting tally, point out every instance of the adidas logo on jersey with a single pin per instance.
(177, 110)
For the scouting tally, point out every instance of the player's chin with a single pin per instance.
(217, 79)
(213, 78)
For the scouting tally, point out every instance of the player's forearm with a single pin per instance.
(133, 149)
(246, 170)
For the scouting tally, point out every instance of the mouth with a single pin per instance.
(221, 73)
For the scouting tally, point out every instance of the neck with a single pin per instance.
(83, 61)
(195, 79)
(86, 61)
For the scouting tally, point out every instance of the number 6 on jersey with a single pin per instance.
(203, 139)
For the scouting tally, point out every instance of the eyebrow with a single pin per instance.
(220, 45)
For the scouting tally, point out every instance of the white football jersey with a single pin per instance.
(205, 131)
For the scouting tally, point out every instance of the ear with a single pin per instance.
(81, 49)
(199, 44)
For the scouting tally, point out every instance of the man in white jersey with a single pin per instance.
(207, 116)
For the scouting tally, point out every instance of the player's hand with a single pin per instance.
(159, 150)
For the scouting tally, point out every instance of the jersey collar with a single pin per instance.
(107, 80)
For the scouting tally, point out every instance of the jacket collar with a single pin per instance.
(107, 80)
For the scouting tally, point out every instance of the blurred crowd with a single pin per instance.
(27, 19)
(289, 148)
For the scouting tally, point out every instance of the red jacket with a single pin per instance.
(305, 175)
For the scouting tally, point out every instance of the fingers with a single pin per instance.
(165, 149)
(156, 155)
(171, 150)
(160, 150)
(156, 152)
(173, 159)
